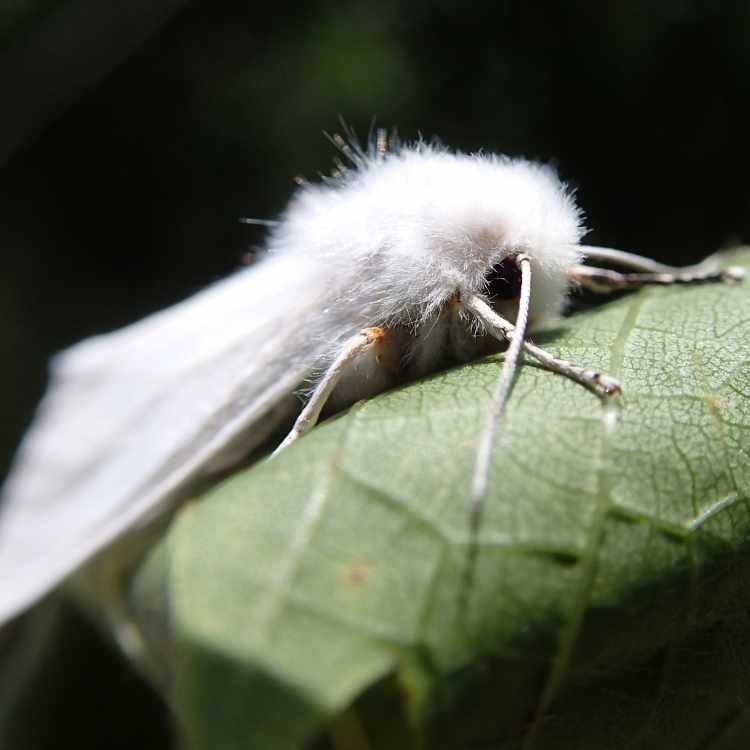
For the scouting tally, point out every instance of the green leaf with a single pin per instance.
(337, 590)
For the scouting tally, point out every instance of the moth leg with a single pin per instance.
(502, 391)
(641, 263)
(602, 280)
(593, 379)
(353, 348)
(502, 329)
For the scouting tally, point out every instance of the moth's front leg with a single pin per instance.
(502, 329)
(368, 363)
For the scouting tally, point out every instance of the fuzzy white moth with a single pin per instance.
(410, 258)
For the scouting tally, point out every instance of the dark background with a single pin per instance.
(132, 140)
(123, 196)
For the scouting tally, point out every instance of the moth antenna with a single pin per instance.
(500, 397)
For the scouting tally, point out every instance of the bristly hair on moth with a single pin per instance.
(378, 144)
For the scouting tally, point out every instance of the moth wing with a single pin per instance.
(131, 417)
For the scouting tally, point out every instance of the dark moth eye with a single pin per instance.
(504, 280)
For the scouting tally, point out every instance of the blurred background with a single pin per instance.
(134, 135)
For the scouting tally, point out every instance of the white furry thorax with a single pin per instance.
(402, 231)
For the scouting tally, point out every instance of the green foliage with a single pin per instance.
(602, 602)
(19, 16)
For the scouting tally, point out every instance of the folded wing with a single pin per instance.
(131, 417)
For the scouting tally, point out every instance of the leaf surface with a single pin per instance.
(601, 604)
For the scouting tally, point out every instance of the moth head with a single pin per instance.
(481, 211)
(534, 215)
(502, 285)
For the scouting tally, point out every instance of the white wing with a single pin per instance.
(131, 417)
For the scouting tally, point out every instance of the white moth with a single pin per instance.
(410, 258)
